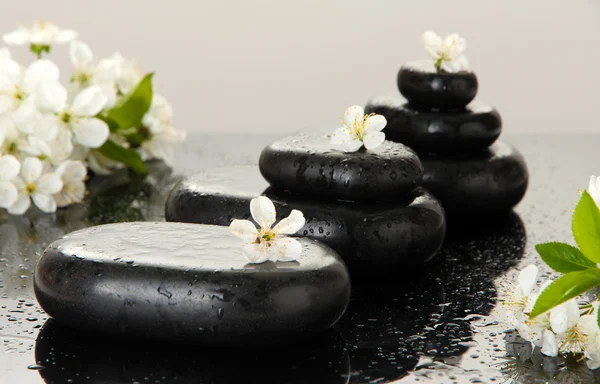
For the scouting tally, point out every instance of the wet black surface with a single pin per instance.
(438, 326)
(188, 283)
(372, 237)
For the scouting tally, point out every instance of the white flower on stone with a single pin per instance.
(163, 135)
(359, 129)
(33, 184)
(72, 174)
(41, 33)
(594, 189)
(565, 323)
(266, 243)
(77, 119)
(9, 169)
(589, 326)
(447, 53)
(85, 72)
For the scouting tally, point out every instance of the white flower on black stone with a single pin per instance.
(359, 129)
(447, 53)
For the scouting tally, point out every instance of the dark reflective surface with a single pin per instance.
(438, 326)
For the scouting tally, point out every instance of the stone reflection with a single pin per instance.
(391, 326)
(66, 354)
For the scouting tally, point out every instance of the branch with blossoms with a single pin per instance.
(105, 116)
(554, 316)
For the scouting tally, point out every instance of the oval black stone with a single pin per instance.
(386, 237)
(308, 164)
(473, 128)
(423, 85)
(492, 181)
(184, 282)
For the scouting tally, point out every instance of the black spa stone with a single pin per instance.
(308, 164)
(475, 127)
(386, 237)
(188, 283)
(423, 85)
(490, 182)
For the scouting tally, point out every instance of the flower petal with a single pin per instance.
(433, 42)
(64, 36)
(373, 140)
(256, 253)
(352, 145)
(18, 37)
(285, 249)
(90, 132)
(375, 123)
(9, 167)
(549, 345)
(80, 54)
(72, 170)
(559, 319)
(527, 279)
(244, 229)
(291, 224)
(8, 194)
(44, 202)
(353, 114)
(20, 206)
(263, 211)
(39, 71)
(49, 184)
(339, 136)
(51, 96)
(89, 102)
(31, 169)
(73, 192)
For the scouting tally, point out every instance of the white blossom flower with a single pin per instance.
(589, 326)
(11, 139)
(129, 74)
(163, 135)
(77, 118)
(266, 243)
(447, 53)
(41, 33)
(594, 189)
(33, 184)
(9, 169)
(55, 150)
(103, 74)
(568, 334)
(72, 174)
(359, 129)
(17, 91)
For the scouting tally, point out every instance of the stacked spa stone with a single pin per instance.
(455, 137)
(369, 206)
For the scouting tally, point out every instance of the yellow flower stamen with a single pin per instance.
(358, 126)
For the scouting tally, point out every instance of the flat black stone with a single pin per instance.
(423, 85)
(386, 237)
(308, 164)
(473, 128)
(190, 283)
(492, 181)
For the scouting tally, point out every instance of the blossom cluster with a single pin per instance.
(105, 115)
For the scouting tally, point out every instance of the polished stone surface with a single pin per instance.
(382, 237)
(187, 282)
(470, 129)
(421, 84)
(436, 327)
(307, 164)
(490, 182)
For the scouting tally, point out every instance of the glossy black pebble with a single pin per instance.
(308, 164)
(184, 282)
(423, 85)
(473, 128)
(492, 181)
(385, 237)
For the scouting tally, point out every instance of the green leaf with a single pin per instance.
(130, 112)
(564, 288)
(124, 155)
(563, 258)
(586, 227)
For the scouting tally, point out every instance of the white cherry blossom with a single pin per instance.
(9, 169)
(266, 243)
(589, 326)
(78, 118)
(129, 74)
(42, 33)
(72, 174)
(359, 129)
(447, 53)
(34, 184)
(55, 150)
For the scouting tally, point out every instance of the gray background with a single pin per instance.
(282, 66)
